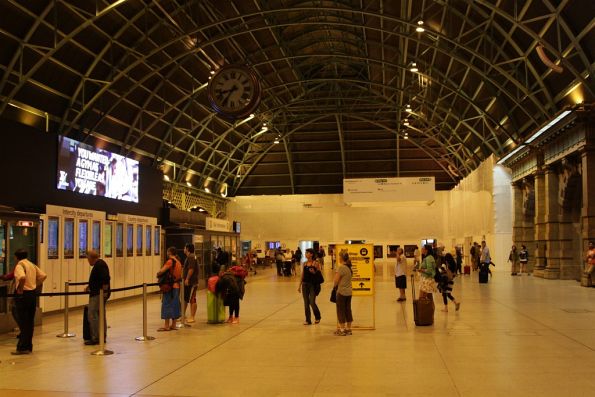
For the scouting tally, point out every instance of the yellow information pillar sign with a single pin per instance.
(362, 261)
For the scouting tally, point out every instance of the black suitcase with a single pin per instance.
(423, 309)
(86, 330)
(483, 276)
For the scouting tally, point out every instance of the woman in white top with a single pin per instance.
(401, 274)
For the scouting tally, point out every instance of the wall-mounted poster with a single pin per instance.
(409, 250)
(107, 239)
(139, 240)
(157, 243)
(378, 252)
(68, 238)
(96, 240)
(391, 250)
(119, 240)
(53, 238)
(83, 238)
(148, 241)
(129, 240)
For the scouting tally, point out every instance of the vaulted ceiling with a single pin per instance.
(338, 92)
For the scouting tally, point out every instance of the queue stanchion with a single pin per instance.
(182, 323)
(66, 334)
(102, 350)
(145, 337)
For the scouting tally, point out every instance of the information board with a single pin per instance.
(388, 189)
(362, 265)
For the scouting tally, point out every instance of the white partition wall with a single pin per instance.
(129, 244)
(68, 235)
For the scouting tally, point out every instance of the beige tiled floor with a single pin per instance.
(516, 336)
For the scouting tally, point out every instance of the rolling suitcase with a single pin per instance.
(423, 309)
(483, 273)
(86, 330)
(215, 309)
(467, 269)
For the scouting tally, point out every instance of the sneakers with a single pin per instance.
(236, 320)
(348, 332)
(230, 320)
(340, 332)
(20, 352)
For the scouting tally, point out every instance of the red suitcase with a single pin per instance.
(467, 269)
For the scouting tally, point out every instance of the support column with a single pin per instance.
(552, 224)
(588, 209)
(539, 235)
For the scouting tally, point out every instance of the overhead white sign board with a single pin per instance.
(220, 225)
(388, 189)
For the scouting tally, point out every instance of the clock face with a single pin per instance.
(234, 91)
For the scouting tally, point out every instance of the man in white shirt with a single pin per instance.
(27, 278)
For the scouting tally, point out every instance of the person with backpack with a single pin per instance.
(523, 259)
(448, 272)
(229, 289)
(427, 272)
(169, 277)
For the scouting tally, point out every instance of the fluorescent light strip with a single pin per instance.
(509, 155)
(547, 126)
(262, 131)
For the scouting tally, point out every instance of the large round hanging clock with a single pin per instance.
(234, 91)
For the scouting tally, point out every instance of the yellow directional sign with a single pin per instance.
(362, 261)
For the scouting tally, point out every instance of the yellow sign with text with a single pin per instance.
(362, 265)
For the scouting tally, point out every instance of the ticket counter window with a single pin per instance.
(148, 241)
(96, 244)
(129, 240)
(68, 238)
(157, 240)
(120, 240)
(139, 240)
(107, 242)
(53, 224)
(83, 238)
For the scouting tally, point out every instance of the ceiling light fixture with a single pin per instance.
(165, 177)
(548, 126)
(406, 122)
(408, 109)
(207, 190)
(188, 184)
(414, 67)
(420, 27)
(262, 131)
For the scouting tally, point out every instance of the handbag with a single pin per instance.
(334, 295)
(166, 280)
(318, 277)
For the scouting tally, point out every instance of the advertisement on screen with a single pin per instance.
(89, 170)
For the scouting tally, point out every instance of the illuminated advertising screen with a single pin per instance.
(86, 169)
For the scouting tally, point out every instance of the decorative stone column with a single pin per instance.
(523, 214)
(540, 209)
(569, 197)
(552, 224)
(588, 209)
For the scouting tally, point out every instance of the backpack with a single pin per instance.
(166, 280)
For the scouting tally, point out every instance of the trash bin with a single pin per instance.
(215, 309)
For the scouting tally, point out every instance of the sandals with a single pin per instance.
(317, 321)
(163, 329)
(340, 333)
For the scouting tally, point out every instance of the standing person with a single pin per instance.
(485, 259)
(590, 259)
(513, 258)
(477, 255)
(401, 274)
(448, 273)
(279, 259)
(170, 301)
(307, 287)
(99, 279)
(221, 260)
(342, 283)
(320, 256)
(459, 259)
(416, 257)
(190, 276)
(523, 259)
(27, 278)
(427, 270)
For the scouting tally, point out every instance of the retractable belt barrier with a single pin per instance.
(102, 351)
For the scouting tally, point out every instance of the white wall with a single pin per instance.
(466, 211)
